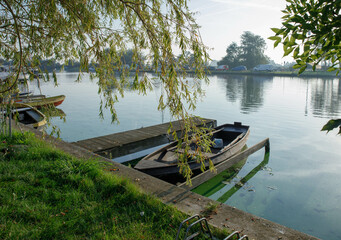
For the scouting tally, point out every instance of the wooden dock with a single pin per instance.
(123, 143)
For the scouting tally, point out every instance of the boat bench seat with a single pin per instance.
(170, 158)
(33, 115)
(145, 164)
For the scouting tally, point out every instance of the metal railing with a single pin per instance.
(202, 222)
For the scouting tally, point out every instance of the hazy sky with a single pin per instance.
(224, 21)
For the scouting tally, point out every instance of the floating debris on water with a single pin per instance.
(268, 169)
(226, 182)
(249, 188)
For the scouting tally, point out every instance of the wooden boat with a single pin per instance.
(40, 100)
(21, 94)
(28, 115)
(229, 139)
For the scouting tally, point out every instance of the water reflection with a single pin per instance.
(322, 95)
(244, 180)
(250, 90)
(224, 185)
(325, 97)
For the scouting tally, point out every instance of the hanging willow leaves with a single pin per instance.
(332, 124)
(98, 33)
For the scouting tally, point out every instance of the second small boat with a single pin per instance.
(28, 116)
(40, 100)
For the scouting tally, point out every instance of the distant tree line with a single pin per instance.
(128, 60)
(249, 53)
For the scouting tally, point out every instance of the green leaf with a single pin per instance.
(277, 42)
(297, 19)
(275, 38)
(307, 47)
(288, 26)
(331, 69)
(302, 69)
(296, 66)
(275, 30)
(296, 52)
(287, 51)
(331, 124)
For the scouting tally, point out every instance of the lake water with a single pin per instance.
(298, 186)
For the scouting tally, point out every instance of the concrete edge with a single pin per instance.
(188, 202)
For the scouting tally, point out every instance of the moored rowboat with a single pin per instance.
(40, 100)
(229, 139)
(28, 115)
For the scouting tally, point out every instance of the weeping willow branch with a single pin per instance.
(20, 50)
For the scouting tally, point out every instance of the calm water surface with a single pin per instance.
(299, 185)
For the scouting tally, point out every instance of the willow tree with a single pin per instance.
(311, 33)
(98, 32)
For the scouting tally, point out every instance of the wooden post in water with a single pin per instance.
(267, 146)
(203, 177)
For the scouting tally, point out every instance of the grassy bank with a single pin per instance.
(47, 194)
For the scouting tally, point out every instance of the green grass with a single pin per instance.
(47, 194)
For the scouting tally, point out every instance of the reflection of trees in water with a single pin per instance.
(248, 89)
(325, 97)
(233, 86)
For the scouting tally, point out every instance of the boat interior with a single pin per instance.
(222, 138)
(28, 116)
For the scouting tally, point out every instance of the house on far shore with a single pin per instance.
(223, 68)
(265, 67)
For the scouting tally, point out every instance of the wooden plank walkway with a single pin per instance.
(148, 137)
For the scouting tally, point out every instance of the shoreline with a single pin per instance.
(276, 74)
(305, 74)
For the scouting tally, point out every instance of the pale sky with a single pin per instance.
(224, 21)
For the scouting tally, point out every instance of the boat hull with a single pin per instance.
(28, 116)
(41, 101)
